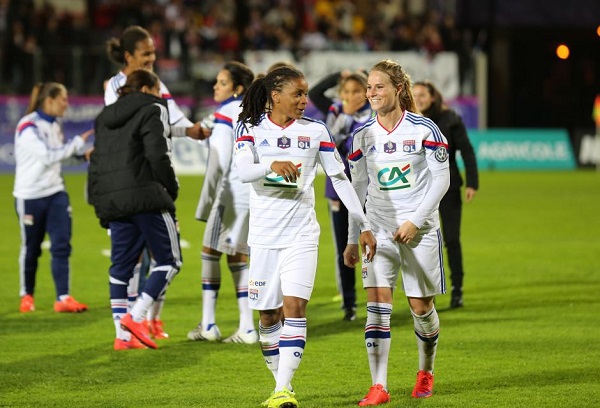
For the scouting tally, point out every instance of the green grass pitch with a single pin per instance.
(528, 335)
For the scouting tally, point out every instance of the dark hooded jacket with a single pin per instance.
(130, 169)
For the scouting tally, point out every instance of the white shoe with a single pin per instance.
(250, 337)
(199, 334)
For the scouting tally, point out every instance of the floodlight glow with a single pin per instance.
(562, 51)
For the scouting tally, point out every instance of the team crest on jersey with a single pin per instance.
(264, 143)
(283, 142)
(389, 147)
(441, 154)
(408, 146)
(304, 142)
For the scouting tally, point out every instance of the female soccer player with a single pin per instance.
(224, 206)
(344, 116)
(41, 201)
(278, 150)
(133, 187)
(399, 165)
(430, 103)
(134, 50)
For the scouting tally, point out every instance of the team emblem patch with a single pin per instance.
(389, 147)
(304, 142)
(408, 146)
(283, 142)
(27, 219)
(253, 294)
(364, 272)
(337, 156)
(441, 154)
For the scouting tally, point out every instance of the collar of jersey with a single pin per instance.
(45, 116)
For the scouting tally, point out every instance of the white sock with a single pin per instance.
(378, 338)
(139, 310)
(291, 348)
(156, 308)
(211, 283)
(239, 273)
(269, 345)
(427, 330)
(133, 286)
(119, 309)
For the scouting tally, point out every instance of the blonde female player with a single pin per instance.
(399, 165)
(278, 151)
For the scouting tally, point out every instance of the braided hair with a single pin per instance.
(258, 97)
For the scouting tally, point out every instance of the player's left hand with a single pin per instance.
(198, 132)
(406, 232)
(368, 245)
(351, 255)
(470, 194)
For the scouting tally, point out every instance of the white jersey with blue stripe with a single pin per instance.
(39, 150)
(176, 116)
(221, 181)
(403, 171)
(283, 213)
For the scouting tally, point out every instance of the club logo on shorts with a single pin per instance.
(253, 294)
(28, 219)
(364, 272)
(408, 146)
(283, 142)
(389, 147)
(441, 154)
(304, 142)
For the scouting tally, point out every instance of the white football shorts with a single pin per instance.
(227, 234)
(275, 273)
(420, 262)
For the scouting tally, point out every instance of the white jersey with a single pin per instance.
(283, 213)
(406, 170)
(39, 150)
(221, 182)
(176, 116)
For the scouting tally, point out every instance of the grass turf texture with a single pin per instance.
(527, 336)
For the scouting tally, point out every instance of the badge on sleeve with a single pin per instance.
(441, 154)
(337, 156)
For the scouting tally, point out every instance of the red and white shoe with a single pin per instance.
(138, 330)
(69, 305)
(424, 385)
(27, 304)
(377, 395)
(155, 327)
(134, 343)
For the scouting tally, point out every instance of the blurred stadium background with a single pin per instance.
(512, 68)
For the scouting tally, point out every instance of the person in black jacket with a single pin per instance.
(133, 187)
(430, 102)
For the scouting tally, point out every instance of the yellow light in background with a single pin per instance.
(562, 51)
(598, 31)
